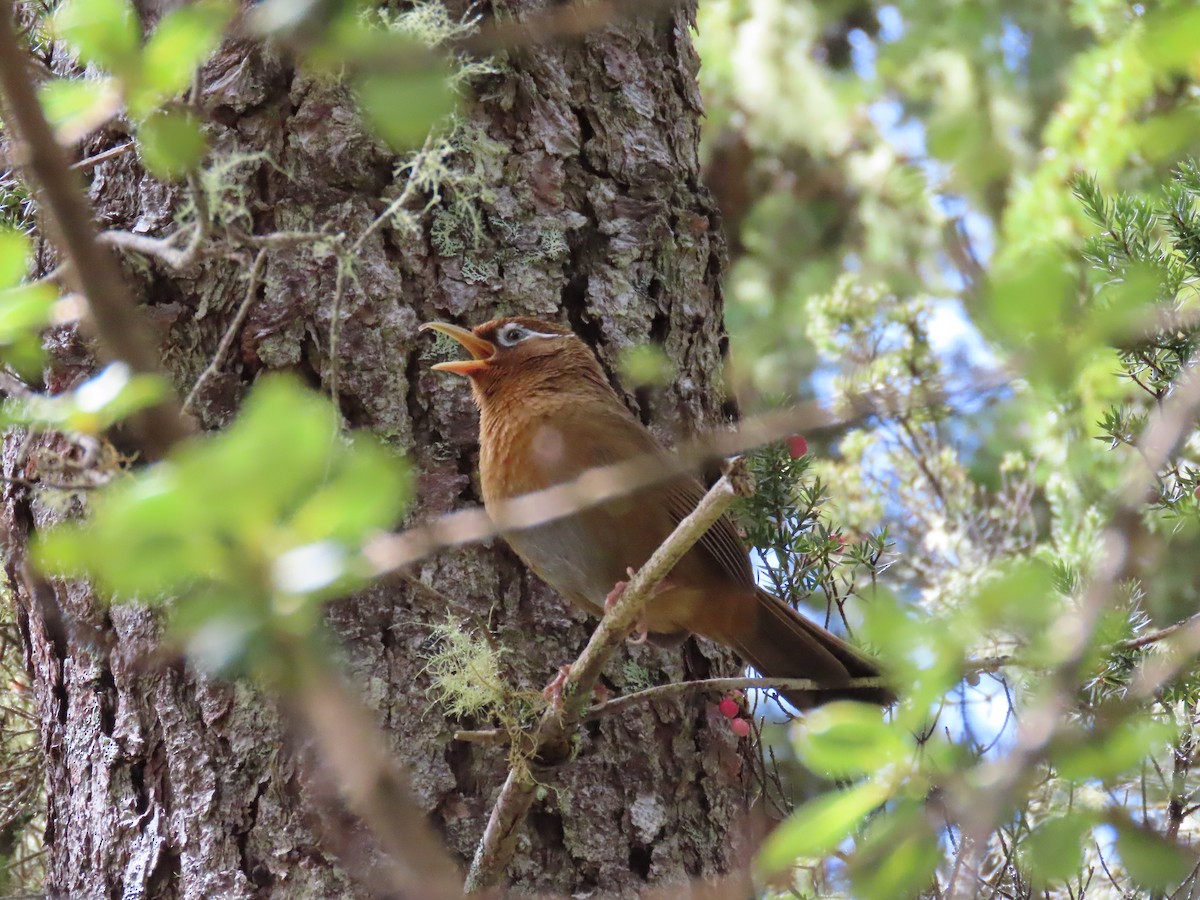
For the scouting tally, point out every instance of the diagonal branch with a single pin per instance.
(387, 553)
(123, 332)
(373, 786)
(550, 741)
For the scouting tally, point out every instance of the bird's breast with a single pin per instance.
(576, 554)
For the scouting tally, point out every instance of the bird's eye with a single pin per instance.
(511, 334)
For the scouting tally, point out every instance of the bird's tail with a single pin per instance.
(781, 643)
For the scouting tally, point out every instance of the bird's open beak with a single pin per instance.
(480, 350)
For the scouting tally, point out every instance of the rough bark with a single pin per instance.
(164, 782)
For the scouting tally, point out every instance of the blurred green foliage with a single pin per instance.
(972, 229)
(24, 308)
(141, 75)
(246, 531)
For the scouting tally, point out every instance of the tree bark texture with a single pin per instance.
(583, 204)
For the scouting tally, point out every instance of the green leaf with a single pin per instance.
(181, 43)
(171, 143)
(847, 739)
(219, 636)
(368, 493)
(1170, 38)
(106, 33)
(896, 856)
(145, 538)
(98, 403)
(77, 107)
(277, 453)
(404, 108)
(927, 661)
(1029, 295)
(1087, 759)
(1021, 595)
(24, 312)
(1153, 861)
(820, 825)
(15, 248)
(277, 504)
(1054, 849)
(1124, 307)
(646, 364)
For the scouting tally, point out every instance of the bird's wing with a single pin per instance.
(627, 438)
(721, 541)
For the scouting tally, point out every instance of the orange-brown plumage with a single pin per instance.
(547, 414)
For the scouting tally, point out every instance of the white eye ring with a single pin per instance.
(512, 334)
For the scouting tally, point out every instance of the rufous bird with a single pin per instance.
(547, 414)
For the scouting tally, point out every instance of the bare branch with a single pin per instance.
(499, 736)
(551, 740)
(122, 330)
(232, 331)
(716, 685)
(92, 161)
(373, 787)
(391, 552)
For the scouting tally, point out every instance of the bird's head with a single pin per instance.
(521, 353)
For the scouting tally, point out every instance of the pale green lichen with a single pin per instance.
(444, 233)
(480, 271)
(429, 22)
(636, 677)
(456, 172)
(552, 244)
(466, 672)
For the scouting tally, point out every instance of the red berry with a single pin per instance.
(729, 708)
(740, 727)
(797, 446)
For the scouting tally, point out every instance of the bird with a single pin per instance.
(547, 413)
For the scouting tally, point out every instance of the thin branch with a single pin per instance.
(164, 249)
(235, 327)
(551, 740)
(1155, 636)
(121, 328)
(92, 161)
(373, 787)
(391, 552)
(716, 685)
(500, 736)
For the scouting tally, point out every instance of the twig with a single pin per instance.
(390, 552)
(344, 270)
(164, 248)
(666, 691)
(14, 387)
(373, 787)
(159, 248)
(498, 737)
(92, 161)
(232, 331)
(551, 739)
(121, 328)
(1155, 636)
(335, 318)
(715, 685)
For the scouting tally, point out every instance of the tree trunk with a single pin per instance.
(571, 193)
